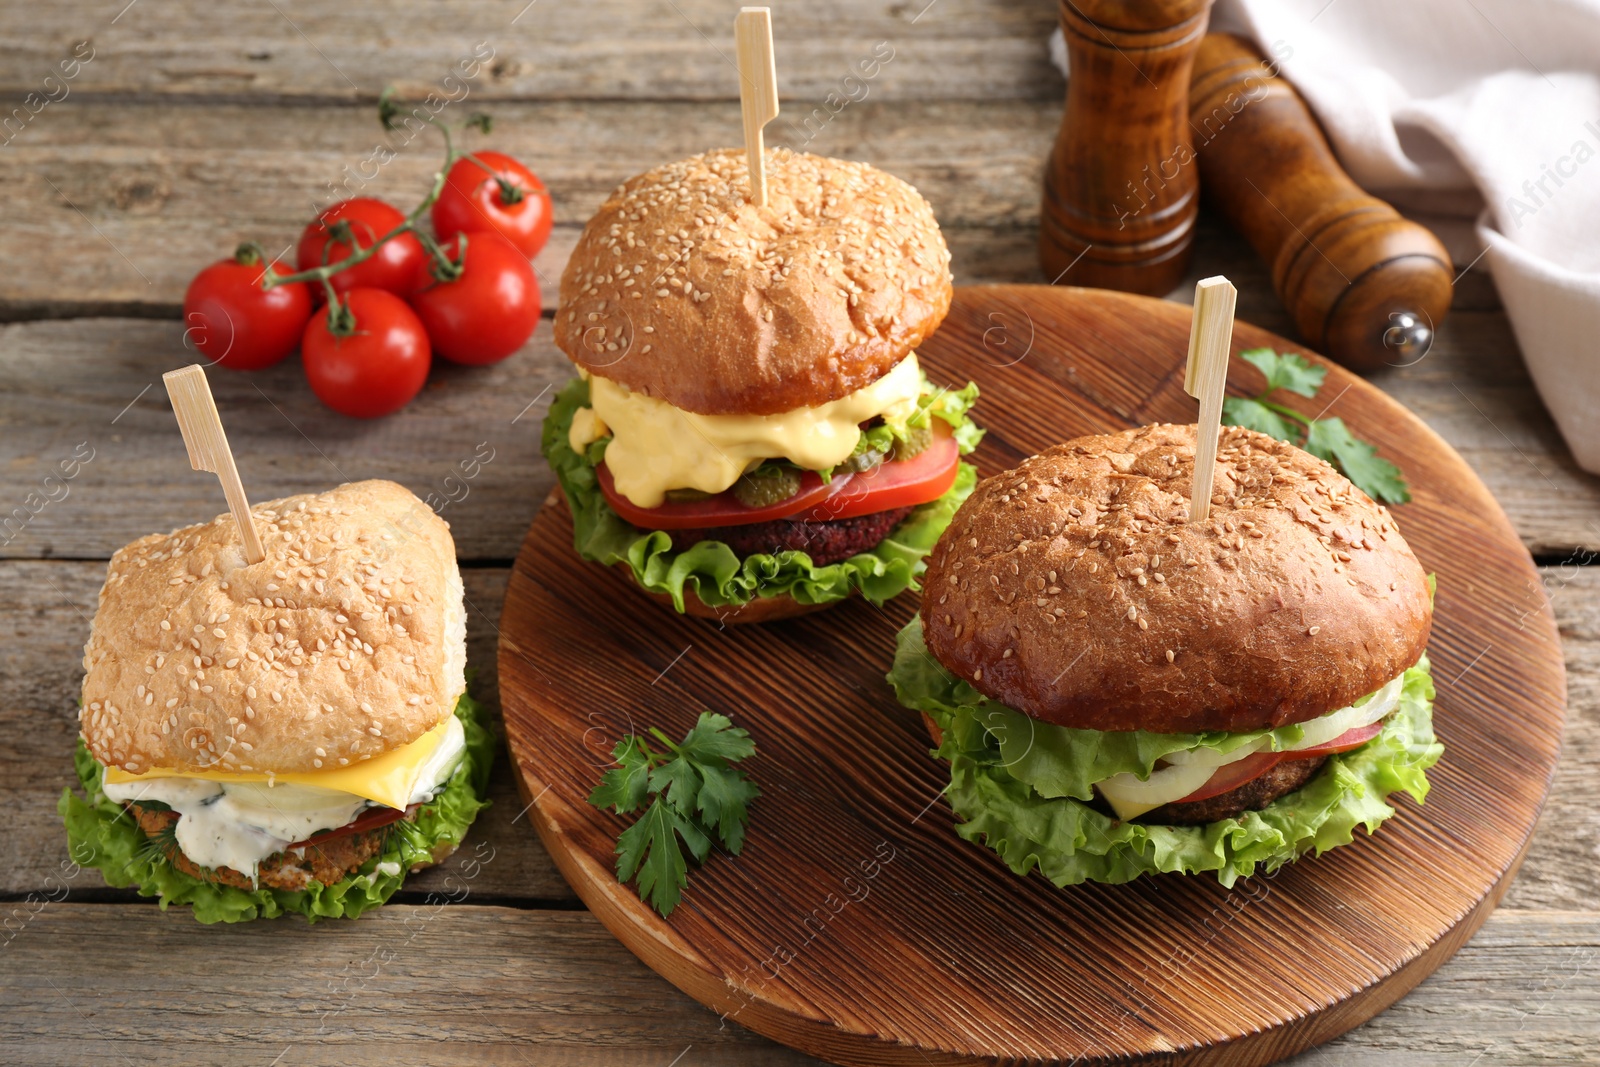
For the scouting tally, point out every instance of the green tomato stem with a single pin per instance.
(509, 193)
(408, 225)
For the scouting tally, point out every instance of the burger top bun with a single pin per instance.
(347, 641)
(681, 289)
(1073, 589)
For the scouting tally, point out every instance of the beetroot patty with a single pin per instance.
(825, 542)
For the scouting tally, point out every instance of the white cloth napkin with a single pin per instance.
(1428, 100)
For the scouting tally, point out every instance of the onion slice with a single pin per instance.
(1190, 769)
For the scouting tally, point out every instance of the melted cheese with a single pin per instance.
(389, 779)
(656, 447)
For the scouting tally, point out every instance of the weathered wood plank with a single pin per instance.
(1568, 835)
(285, 440)
(1472, 389)
(441, 985)
(45, 609)
(467, 984)
(608, 49)
(118, 205)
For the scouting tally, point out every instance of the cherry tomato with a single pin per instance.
(375, 370)
(473, 200)
(488, 312)
(235, 323)
(391, 267)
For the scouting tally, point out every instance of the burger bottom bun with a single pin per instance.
(761, 609)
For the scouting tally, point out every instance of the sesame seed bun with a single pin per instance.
(683, 290)
(1073, 589)
(347, 641)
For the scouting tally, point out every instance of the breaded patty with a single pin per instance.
(328, 862)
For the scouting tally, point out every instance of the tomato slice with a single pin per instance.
(723, 509)
(1343, 743)
(1231, 776)
(926, 476)
(369, 820)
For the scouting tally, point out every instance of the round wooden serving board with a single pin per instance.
(858, 927)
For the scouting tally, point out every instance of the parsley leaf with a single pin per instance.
(1327, 439)
(724, 796)
(714, 737)
(623, 787)
(1254, 415)
(1331, 439)
(1286, 371)
(679, 781)
(649, 849)
(697, 796)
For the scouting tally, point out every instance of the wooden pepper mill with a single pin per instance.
(1120, 187)
(1364, 285)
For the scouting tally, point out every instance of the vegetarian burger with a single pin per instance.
(1119, 690)
(751, 435)
(292, 735)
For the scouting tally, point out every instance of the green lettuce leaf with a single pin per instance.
(101, 834)
(716, 574)
(1020, 785)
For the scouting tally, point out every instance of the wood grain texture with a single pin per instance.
(558, 989)
(607, 49)
(438, 984)
(118, 205)
(1472, 389)
(1111, 216)
(853, 825)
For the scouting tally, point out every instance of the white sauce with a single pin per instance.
(239, 824)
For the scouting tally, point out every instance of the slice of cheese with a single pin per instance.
(1126, 811)
(388, 779)
(656, 447)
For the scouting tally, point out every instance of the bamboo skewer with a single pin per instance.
(758, 90)
(1206, 378)
(208, 447)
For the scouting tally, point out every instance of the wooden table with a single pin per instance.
(197, 125)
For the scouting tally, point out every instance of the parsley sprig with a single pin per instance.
(695, 794)
(1328, 439)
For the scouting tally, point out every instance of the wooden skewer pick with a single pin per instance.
(208, 447)
(1205, 378)
(758, 90)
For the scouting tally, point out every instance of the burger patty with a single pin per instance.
(327, 863)
(1257, 793)
(825, 542)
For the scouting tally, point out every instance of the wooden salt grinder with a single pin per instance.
(1120, 186)
(1363, 284)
